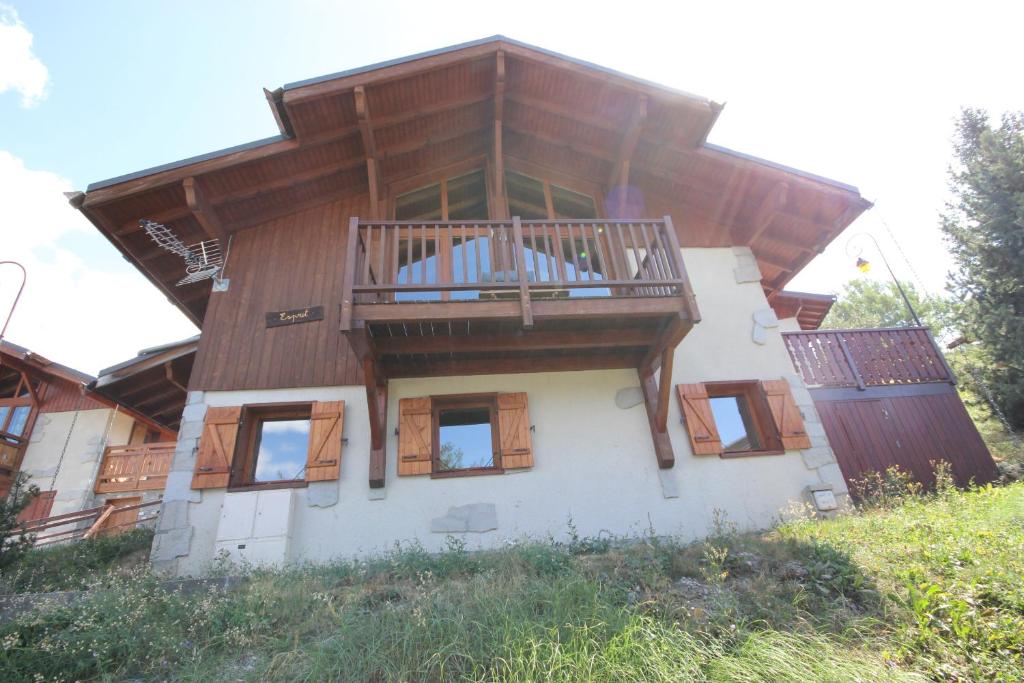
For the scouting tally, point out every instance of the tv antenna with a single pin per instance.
(203, 260)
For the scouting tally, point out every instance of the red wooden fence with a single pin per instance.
(865, 358)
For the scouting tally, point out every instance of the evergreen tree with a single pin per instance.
(984, 228)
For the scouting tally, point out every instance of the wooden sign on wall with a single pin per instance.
(294, 316)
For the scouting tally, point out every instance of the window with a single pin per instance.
(446, 436)
(735, 423)
(270, 445)
(465, 435)
(275, 445)
(741, 418)
(533, 199)
(463, 197)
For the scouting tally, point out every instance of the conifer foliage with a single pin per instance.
(984, 228)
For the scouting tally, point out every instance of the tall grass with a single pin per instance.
(850, 599)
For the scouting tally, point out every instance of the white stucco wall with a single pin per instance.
(594, 461)
(71, 470)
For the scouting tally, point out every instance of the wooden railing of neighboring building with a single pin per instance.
(867, 358)
(512, 259)
(101, 520)
(135, 468)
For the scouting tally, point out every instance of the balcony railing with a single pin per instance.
(135, 468)
(866, 358)
(459, 261)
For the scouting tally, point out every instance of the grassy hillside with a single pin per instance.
(924, 588)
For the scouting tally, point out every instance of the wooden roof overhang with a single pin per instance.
(153, 384)
(810, 310)
(373, 129)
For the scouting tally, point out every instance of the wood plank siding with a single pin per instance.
(287, 263)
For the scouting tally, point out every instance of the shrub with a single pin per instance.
(14, 542)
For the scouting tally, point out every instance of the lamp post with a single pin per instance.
(863, 265)
(24, 277)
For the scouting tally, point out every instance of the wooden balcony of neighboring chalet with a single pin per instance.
(472, 297)
(142, 467)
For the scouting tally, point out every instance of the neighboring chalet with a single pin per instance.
(486, 291)
(81, 448)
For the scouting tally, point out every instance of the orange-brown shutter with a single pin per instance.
(415, 436)
(327, 422)
(785, 414)
(700, 421)
(216, 448)
(514, 431)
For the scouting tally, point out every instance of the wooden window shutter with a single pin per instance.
(700, 421)
(415, 436)
(216, 448)
(326, 425)
(514, 431)
(785, 414)
(39, 508)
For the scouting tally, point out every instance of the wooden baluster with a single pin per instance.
(465, 258)
(624, 252)
(423, 254)
(607, 269)
(536, 257)
(408, 254)
(572, 249)
(642, 265)
(652, 258)
(476, 253)
(560, 256)
(366, 237)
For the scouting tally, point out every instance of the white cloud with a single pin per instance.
(80, 307)
(20, 69)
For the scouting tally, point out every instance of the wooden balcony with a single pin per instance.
(867, 358)
(466, 297)
(486, 297)
(135, 468)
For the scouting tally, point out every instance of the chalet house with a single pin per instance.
(487, 291)
(80, 447)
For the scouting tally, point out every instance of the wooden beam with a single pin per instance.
(508, 365)
(204, 212)
(169, 373)
(620, 167)
(165, 216)
(524, 285)
(766, 212)
(369, 149)
(290, 180)
(377, 403)
(518, 340)
(665, 388)
(175, 175)
(662, 444)
(499, 159)
(288, 209)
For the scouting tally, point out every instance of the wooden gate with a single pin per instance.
(887, 398)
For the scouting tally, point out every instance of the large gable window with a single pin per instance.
(421, 258)
(533, 199)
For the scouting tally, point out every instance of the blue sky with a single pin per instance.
(865, 94)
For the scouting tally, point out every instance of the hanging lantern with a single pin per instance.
(863, 265)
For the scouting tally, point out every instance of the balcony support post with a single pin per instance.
(656, 399)
(519, 253)
(377, 402)
(349, 276)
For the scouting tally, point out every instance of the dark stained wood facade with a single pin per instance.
(292, 262)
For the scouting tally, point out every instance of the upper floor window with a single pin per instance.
(534, 199)
(463, 197)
